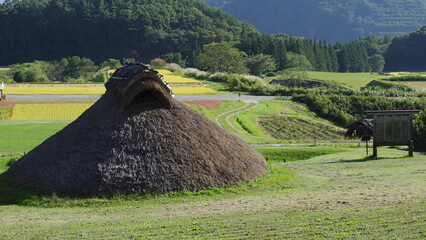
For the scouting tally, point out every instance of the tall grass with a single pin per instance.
(291, 154)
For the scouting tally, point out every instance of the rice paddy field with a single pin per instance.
(58, 90)
(180, 85)
(171, 77)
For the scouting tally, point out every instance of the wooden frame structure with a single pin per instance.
(393, 128)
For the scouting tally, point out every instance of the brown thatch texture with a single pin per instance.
(362, 129)
(140, 139)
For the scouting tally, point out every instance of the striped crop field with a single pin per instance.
(93, 90)
(193, 91)
(54, 90)
(55, 111)
(170, 77)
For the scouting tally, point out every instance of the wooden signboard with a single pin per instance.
(393, 128)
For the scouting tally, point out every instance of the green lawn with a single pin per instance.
(352, 80)
(338, 196)
(22, 137)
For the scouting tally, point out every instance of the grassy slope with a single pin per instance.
(352, 80)
(335, 196)
(256, 123)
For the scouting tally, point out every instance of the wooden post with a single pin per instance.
(366, 147)
(374, 149)
(411, 148)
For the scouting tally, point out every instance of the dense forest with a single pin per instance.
(179, 31)
(331, 20)
(407, 52)
(102, 29)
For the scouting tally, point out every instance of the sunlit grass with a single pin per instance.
(352, 80)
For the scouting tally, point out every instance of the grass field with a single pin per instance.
(22, 137)
(338, 196)
(352, 80)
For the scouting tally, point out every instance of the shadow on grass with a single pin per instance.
(13, 194)
(367, 159)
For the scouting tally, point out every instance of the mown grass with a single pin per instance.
(352, 80)
(22, 137)
(339, 196)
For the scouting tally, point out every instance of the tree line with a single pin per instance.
(179, 31)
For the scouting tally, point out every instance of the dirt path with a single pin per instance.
(235, 111)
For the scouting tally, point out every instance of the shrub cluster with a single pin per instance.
(420, 131)
(343, 109)
(408, 78)
(72, 69)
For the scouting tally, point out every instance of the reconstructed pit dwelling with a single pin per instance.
(138, 138)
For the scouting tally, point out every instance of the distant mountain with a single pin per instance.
(331, 20)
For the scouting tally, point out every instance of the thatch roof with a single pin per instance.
(137, 137)
(361, 129)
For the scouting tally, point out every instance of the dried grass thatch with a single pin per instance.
(361, 129)
(137, 138)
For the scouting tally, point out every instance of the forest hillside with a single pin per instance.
(330, 20)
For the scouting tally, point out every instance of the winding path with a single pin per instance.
(235, 111)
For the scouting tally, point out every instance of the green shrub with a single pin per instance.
(408, 78)
(37, 71)
(343, 109)
(384, 85)
(100, 77)
(420, 131)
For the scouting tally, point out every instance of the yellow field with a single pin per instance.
(170, 77)
(397, 74)
(93, 90)
(54, 90)
(61, 111)
(193, 91)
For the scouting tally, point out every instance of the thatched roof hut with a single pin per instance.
(361, 129)
(138, 138)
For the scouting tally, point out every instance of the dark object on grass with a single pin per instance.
(361, 129)
(138, 138)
